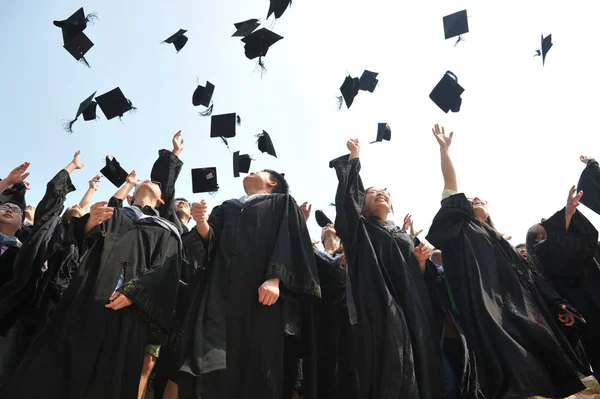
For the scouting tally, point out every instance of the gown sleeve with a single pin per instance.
(53, 201)
(578, 243)
(589, 182)
(456, 210)
(293, 260)
(166, 170)
(349, 198)
(114, 202)
(195, 255)
(215, 221)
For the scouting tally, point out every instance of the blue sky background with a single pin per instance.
(517, 137)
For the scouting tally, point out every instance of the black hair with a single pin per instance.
(181, 199)
(530, 241)
(282, 186)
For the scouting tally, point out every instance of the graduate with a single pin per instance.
(120, 304)
(397, 352)
(519, 349)
(262, 277)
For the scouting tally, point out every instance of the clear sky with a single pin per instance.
(517, 139)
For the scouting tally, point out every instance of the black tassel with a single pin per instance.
(68, 126)
(460, 39)
(225, 141)
(208, 111)
(91, 17)
(538, 53)
(84, 62)
(133, 109)
(261, 64)
(340, 102)
(239, 121)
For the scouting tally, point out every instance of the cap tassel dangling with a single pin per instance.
(68, 126)
(340, 102)
(208, 111)
(133, 109)
(91, 17)
(239, 121)
(84, 61)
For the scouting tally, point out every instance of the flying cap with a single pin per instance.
(114, 104)
(265, 144)
(87, 108)
(178, 39)
(446, 94)
(204, 180)
(241, 163)
(114, 172)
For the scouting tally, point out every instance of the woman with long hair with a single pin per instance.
(520, 351)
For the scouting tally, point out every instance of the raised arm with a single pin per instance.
(448, 171)
(85, 202)
(17, 175)
(121, 194)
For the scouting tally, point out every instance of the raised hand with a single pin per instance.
(99, 213)
(268, 292)
(27, 185)
(18, 174)
(132, 178)
(573, 200)
(199, 211)
(75, 162)
(440, 135)
(585, 159)
(407, 222)
(353, 146)
(422, 253)
(306, 209)
(178, 144)
(94, 183)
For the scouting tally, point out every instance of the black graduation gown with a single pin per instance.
(336, 378)
(398, 351)
(567, 261)
(589, 182)
(519, 350)
(166, 170)
(88, 351)
(263, 238)
(44, 264)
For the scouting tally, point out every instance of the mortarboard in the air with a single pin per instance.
(114, 172)
(383, 132)
(322, 219)
(87, 108)
(241, 163)
(204, 180)
(74, 25)
(349, 90)
(79, 45)
(368, 81)
(446, 94)
(265, 144)
(258, 43)
(456, 24)
(223, 125)
(546, 46)
(202, 96)
(278, 7)
(178, 39)
(114, 103)
(245, 28)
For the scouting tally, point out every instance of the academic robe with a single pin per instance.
(520, 352)
(337, 378)
(87, 351)
(398, 351)
(567, 261)
(250, 242)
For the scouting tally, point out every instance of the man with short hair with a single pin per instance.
(258, 248)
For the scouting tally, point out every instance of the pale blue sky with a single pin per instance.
(518, 134)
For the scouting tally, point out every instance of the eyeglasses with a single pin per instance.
(12, 209)
(478, 199)
(375, 192)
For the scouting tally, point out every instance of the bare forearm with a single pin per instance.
(203, 229)
(123, 191)
(70, 167)
(86, 200)
(4, 184)
(448, 170)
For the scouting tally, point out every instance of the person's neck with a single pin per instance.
(143, 201)
(331, 245)
(256, 191)
(184, 220)
(7, 230)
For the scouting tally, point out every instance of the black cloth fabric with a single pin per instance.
(251, 242)
(398, 353)
(567, 260)
(337, 377)
(7, 264)
(39, 271)
(520, 352)
(88, 351)
(166, 170)
(589, 182)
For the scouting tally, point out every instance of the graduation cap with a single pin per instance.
(15, 195)
(368, 81)
(258, 43)
(204, 180)
(241, 163)
(456, 24)
(114, 172)
(546, 46)
(383, 132)
(349, 90)
(75, 24)
(78, 46)
(114, 103)
(265, 144)
(87, 108)
(202, 96)
(322, 219)
(178, 39)
(223, 125)
(278, 7)
(245, 28)
(446, 94)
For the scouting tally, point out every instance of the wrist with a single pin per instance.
(176, 152)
